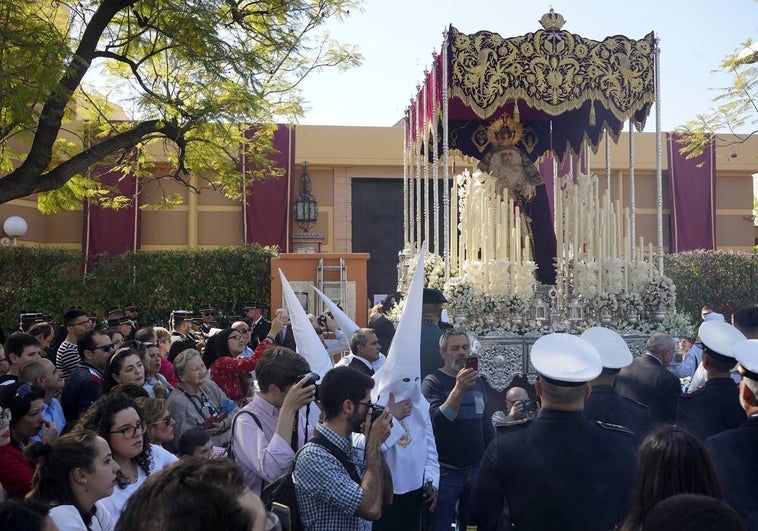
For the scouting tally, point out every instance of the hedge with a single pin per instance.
(50, 280)
(725, 280)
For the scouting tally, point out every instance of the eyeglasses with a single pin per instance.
(24, 391)
(367, 404)
(82, 323)
(105, 348)
(5, 415)
(166, 421)
(130, 432)
(235, 338)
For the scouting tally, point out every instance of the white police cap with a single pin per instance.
(613, 350)
(565, 359)
(746, 353)
(720, 337)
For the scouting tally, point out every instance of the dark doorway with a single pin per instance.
(378, 229)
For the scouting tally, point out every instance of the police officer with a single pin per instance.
(180, 326)
(560, 470)
(733, 451)
(715, 407)
(255, 312)
(605, 404)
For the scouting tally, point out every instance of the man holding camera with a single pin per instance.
(328, 497)
(267, 432)
(462, 428)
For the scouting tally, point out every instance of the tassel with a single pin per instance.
(593, 119)
(515, 111)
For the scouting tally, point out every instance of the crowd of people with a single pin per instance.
(183, 428)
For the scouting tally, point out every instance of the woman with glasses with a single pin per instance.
(116, 418)
(159, 425)
(124, 367)
(199, 402)
(231, 374)
(155, 384)
(72, 475)
(22, 405)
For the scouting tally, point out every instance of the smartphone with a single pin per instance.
(472, 362)
(215, 419)
(282, 512)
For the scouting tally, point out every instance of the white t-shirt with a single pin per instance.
(67, 517)
(116, 502)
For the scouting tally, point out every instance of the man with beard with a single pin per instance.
(462, 428)
(328, 497)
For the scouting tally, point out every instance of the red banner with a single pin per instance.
(105, 230)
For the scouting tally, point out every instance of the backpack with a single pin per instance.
(281, 491)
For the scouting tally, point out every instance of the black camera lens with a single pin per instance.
(376, 410)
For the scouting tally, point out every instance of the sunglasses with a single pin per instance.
(105, 348)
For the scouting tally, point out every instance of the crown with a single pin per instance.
(504, 131)
(552, 21)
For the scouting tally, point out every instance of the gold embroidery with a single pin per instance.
(406, 439)
(552, 71)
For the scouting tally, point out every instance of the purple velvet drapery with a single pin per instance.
(692, 188)
(105, 230)
(269, 202)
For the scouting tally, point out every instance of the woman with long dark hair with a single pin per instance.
(72, 475)
(671, 461)
(116, 418)
(231, 374)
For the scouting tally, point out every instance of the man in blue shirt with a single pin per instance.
(43, 374)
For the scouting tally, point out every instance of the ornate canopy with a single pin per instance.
(582, 86)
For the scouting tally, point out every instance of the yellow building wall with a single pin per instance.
(338, 155)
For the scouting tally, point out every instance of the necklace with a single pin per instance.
(124, 478)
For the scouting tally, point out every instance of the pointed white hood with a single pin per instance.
(309, 345)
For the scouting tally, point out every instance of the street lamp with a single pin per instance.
(306, 207)
(15, 227)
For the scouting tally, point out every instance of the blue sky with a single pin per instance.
(396, 38)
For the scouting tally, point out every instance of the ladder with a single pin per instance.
(321, 284)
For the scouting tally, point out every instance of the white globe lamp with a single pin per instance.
(15, 227)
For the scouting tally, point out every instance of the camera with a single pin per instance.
(530, 406)
(376, 410)
(313, 378)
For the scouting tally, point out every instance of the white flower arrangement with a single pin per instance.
(434, 271)
(460, 295)
(639, 274)
(659, 293)
(586, 281)
(613, 277)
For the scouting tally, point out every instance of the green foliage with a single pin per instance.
(50, 280)
(725, 280)
(735, 111)
(190, 75)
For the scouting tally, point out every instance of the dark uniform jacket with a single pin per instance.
(606, 405)
(733, 453)
(360, 366)
(711, 409)
(647, 381)
(179, 343)
(384, 330)
(559, 471)
(260, 331)
(82, 389)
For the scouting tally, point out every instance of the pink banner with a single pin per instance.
(692, 188)
(268, 211)
(105, 230)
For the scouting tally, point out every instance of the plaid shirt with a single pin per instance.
(327, 497)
